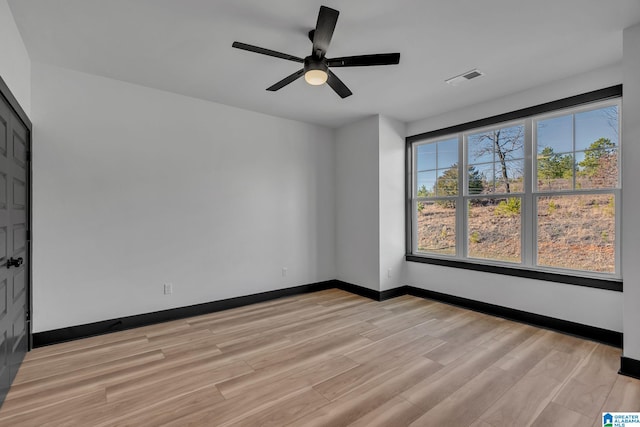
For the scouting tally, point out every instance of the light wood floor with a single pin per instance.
(324, 359)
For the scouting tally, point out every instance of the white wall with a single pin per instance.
(357, 201)
(631, 192)
(593, 307)
(575, 85)
(134, 187)
(391, 189)
(15, 65)
(588, 306)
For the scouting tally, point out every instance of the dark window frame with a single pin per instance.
(573, 101)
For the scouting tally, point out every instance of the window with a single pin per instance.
(437, 178)
(577, 186)
(540, 190)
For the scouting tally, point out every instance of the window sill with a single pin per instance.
(590, 282)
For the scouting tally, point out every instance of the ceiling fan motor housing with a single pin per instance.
(312, 63)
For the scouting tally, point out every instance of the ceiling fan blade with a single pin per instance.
(337, 85)
(327, 19)
(268, 52)
(365, 60)
(289, 79)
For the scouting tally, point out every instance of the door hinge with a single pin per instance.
(28, 156)
(28, 235)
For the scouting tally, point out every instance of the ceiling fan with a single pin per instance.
(316, 66)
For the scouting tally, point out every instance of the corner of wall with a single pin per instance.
(357, 203)
(391, 163)
(631, 193)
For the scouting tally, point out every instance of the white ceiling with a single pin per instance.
(184, 46)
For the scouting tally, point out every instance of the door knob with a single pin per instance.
(15, 262)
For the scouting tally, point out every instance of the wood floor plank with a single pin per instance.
(361, 375)
(262, 377)
(78, 359)
(466, 404)
(53, 411)
(264, 394)
(284, 326)
(177, 380)
(386, 327)
(392, 342)
(572, 345)
(361, 401)
(428, 394)
(36, 358)
(285, 411)
(396, 412)
(94, 373)
(588, 388)
(531, 394)
(528, 354)
(452, 350)
(336, 341)
(555, 415)
(85, 343)
(165, 411)
(624, 396)
(325, 358)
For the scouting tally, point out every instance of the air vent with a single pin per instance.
(464, 77)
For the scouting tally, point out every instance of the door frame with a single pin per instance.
(8, 96)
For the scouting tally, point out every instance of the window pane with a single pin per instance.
(481, 179)
(597, 168)
(437, 227)
(476, 179)
(509, 177)
(596, 125)
(425, 184)
(555, 134)
(426, 156)
(496, 145)
(577, 232)
(479, 149)
(555, 171)
(504, 149)
(447, 153)
(494, 229)
(447, 184)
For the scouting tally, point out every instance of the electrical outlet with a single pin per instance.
(284, 271)
(389, 273)
(168, 288)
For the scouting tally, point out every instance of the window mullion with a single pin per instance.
(617, 194)
(528, 202)
(461, 205)
(413, 203)
(573, 153)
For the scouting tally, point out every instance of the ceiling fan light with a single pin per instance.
(316, 77)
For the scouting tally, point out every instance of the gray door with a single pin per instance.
(14, 251)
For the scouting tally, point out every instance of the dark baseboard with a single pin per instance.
(393, 293)
(98, 328)
(370, 293)
(592, 333)
(70, 333)
(358, 290)
(629, 367)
